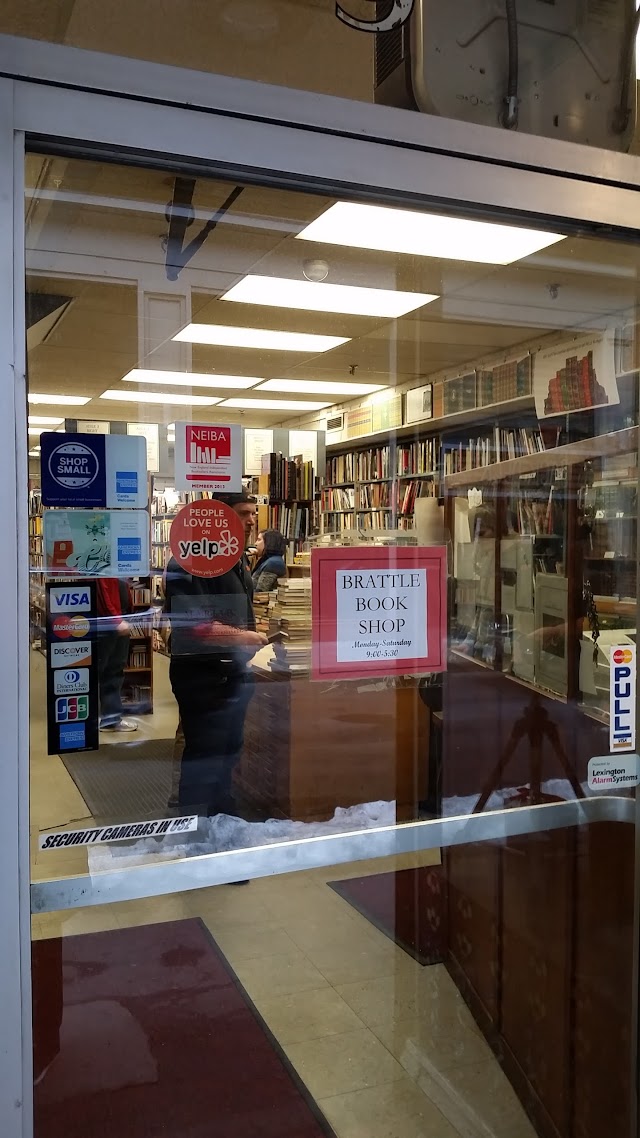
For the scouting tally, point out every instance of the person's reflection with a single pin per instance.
(213, 638)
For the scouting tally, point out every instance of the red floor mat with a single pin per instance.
(149, 1035)
(407, 906)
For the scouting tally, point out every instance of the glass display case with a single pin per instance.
(545, 565)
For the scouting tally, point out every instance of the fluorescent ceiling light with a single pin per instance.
(276, 404)
(352, 300)
(60, 400)
(425, 234)
(34, 453)
(44, 420)
(35, 430)
(191, 379)
(160, 397)
(227, 337)
(318, 387)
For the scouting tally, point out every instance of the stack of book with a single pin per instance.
(262, 606)
(292, 614)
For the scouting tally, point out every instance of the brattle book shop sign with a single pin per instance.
(378, 612)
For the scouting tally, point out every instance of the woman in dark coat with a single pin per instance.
(270, 547)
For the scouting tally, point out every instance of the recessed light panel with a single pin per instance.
(192, 379)
(223, 335)
(276, 404)
(425, 234)
(160, 397)
(319, 387)
(44, 420)
(59, 400)
(350, 300)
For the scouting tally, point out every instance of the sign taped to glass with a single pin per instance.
(378, 611)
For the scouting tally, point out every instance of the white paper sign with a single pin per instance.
(150, 432)
(96, 543)
(622, 697)
(304, 443)
(381, 615)
(94, 427)
(613, 772)
(209, 457)
(256, 443)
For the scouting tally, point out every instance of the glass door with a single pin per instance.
(332, 619)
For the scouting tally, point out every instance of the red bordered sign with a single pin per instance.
(206, 538)
(378, 611)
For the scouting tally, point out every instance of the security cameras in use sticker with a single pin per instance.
(613, 772)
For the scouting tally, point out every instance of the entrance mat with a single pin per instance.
(157, 1038)
(128, 781)
(408, 906)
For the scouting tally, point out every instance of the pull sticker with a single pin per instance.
(622, 698)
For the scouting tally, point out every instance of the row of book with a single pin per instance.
(294, 521)
(160, 529)
(361, 466)
(376, 495)
(138, 629)
(337, 499)
(417, 458)
(412, 491)
(496, 446)
(290, 479)
(375, 519)
(138, 656)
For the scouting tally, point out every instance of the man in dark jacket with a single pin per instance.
(213, 638)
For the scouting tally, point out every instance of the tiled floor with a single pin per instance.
(386, 1047)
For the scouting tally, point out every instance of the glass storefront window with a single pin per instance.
(332, 526)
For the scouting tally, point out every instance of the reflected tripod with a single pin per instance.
(534, 724)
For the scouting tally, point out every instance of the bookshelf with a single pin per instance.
(288, 489)
(137, 690)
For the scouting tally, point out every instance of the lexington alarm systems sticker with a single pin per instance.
(208, 456)
(206, 538)
(613, 772)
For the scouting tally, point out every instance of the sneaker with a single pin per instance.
(122, 725)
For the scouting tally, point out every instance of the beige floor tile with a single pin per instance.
(408, 994)
(225, 905)
(477, 1099)
(308, 1015)
(336, 1064)
(395, 1110)
(353, 964)
(275, 976)
(249, 942)
(422, 1043)
(316, 932)
(75, 922)
(152, 910)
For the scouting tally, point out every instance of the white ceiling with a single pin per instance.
(95, 233)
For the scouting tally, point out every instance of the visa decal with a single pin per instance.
(622, 698)
(69, 600)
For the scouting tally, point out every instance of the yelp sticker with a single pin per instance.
(206, 538)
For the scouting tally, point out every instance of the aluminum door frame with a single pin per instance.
(89, 104)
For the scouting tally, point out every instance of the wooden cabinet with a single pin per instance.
(310, 747)
(540, 938)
